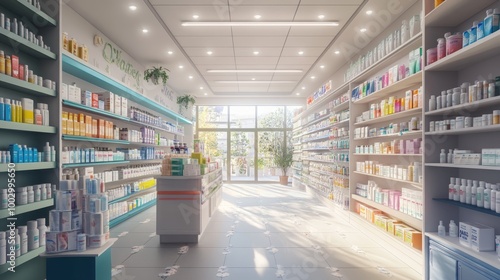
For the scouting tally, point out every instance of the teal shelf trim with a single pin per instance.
(21, 209)
(130, 195)
(128, 180)
(149, 145)
(25, 46)
(23, 258)
(72, 165)
(23, 8)
(116, 221)
(143, 161)
(93, 110)
(27, 127)
(86, 73)
(156, 127)
(90, 139)
(25, 87)
(29, 166)
(467, 206)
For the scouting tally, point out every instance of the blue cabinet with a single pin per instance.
(451, 264)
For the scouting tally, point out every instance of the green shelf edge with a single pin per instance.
(93, 110)
(25, 45)
(25, 87)
(23, 8)
(29, 166)
(71, 165)
(90, 139)
(84, 72)
(4, 213)
(129, 196)
(118, 220)
(27, 127)
(23, 258)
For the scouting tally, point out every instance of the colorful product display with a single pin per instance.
(411, 173)
(24, 154)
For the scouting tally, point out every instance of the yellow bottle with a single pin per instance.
(8, 66)
(20, 112)
(2, 62)
(13, 111)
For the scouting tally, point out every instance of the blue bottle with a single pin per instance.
(7, 110)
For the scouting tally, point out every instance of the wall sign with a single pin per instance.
(113, 55)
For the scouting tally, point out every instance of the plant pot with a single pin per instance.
(284, 180)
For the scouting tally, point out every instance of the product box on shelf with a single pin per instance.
(86, 98)
(124, 107)
(381, 221)
(96, 241)
(118, 105)
(464, 234)
(109, 100)
(413, 238)
(64, 91)
(95, 100)
(482, 238)
(60, 241)
(391, 226)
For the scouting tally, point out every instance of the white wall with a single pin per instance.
(289, 101)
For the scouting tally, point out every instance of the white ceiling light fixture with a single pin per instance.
(313, 77)
(252, 71)
(253, 79)
(259, 24)
(301, 52)
(298, 93)
(181, 66)
(205, 93)
(322, 66)
(257, 16)
(369, 12)
(170, 52)
(209, 52)
(201, 87)
(303, 87)
(190, 77)
(255, 82)
(132, 7)
(362, 30)
(337, 52)
(321, 16)
(145, 30)
(196, 16)
(256, 52)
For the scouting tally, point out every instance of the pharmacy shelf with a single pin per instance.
(297, 177)
(416, 185)
(321, 118)
(341, 123)
(145, 161)
(155, 127)
(148, 145)
(29, 166)
(393, 135)
(342, 106)
(490, 258)
(339, 150)
(407, 219)
(131, 195)
(330, 174)
(391, 117)
(84, 71)
(316, 139)
(464, 166)
(24, 8)
(452, 13)
(470, 55)
(116, 221)
(465, 108)
(90, 164)
(319, 160)
(467, 206)
(327, 97)
(469, 130)
(91, 139)
(388, 60)
(316, 149)
(21, 209)
(128, 180)
(71, 104)
(27, 127)
(317, 129)
(23, 258)
(395, 155)
(24, 45)
(296, 168)
(25, 87)
(405, 83)
(315, 180)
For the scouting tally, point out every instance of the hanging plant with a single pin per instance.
(155, 74)
(186, 100)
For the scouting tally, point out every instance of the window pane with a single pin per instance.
(242, 117)
(212, 116)
(290, 113)
(266, 167)
(270, 116)
(242, 156)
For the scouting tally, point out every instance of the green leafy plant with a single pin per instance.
(283, 157)
(186, 100)
(155, 74)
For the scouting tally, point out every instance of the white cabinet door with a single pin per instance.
(441, 265)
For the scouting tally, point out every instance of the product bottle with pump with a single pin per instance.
(479, 194)
(442, 156)
(456, 192)
(486, 196)
(453, 229)
(462, 190)
(468, 194)
(473, 192)
(451, 188)
(441, 229)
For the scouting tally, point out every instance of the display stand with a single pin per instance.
(185, 205)
(94, 263)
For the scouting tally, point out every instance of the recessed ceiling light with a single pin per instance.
(369, 12)
(201, 87)
(253, 79)
(321, 16)
(257, 16)
(209, 52)
(256, 52)
(363, 30)
(196, 16)
(145, 30)
(336, 52)
(132, 7)
(298, 93)
(170, 52)
(301, 52)
(313, 77)
(205, 93)
(322, 66)
(263, 23)
(181, 66)
(303, 87)
(255, 82)
(190, 77)
(252, 71)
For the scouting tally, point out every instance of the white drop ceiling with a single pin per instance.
(232, 47)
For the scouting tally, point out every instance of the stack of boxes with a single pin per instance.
(106, 101)
(477, 236)
(84, 125)
(96, 214)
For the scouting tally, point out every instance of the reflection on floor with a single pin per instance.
(263, 231)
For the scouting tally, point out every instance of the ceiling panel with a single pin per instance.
(284, 76)
(204, 67)
(253, 88)
(262, 51)
(203, 51)
(260, 77)
(259, 41)
(225, 88)
(330, 31)
(182, 2)
(331, 2)
(213, 60)
(293, 51)
(297, 60)
(260, 31)
(219, 77)
(270, 13)
(207, 42)
(256, 60)
(312, 41)
(256, 67)
(263, 2)
(281, 88)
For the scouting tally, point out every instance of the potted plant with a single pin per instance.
(283, 159)
(186, 100)
(155, 74)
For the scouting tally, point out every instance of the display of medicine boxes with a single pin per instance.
(490, 157)
(102, 100)
(476, 236)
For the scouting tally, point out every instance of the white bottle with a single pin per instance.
(43, 191)
(42, 229)
(456, 192)
(442, 156)
(453, 229)
(450, 156)
(493, 196)
(38, 194)
(451, 188)
(17, 245)
(479, 194)
(49, 191)
(31, 195)
(486, 196)
(46, 152)
(462, 190)
(3, 248)
(5, 199)
(65, 155)
(468, 194)
(498, 204)
(33, 236)
(441, 229)
(23, 230)
(473, 192)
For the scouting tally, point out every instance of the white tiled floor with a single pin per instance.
(279, 233)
